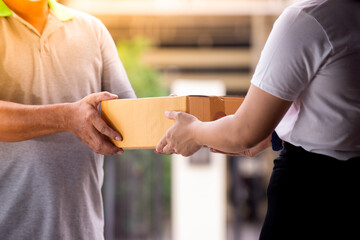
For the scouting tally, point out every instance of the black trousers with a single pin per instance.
(312, 196)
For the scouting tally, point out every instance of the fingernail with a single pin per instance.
(121, 151)
(118, 138)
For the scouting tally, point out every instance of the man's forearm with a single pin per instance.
(20, 122)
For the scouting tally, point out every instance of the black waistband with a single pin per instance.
(293, 154)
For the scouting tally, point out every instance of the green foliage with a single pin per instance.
(141, 172)
(145, 80)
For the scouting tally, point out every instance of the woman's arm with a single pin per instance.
(253, 122)
(251, 152)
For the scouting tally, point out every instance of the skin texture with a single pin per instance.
(20, 122)
(251, 152)
(247, 132)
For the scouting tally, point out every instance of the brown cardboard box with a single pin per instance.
(142, 122)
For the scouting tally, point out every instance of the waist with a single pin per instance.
(305, 169)
(295, 155)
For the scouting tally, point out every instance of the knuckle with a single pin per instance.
(90, 98)
(97, 147)
(103, 129)
(88, 116)
(170, 145)
(180, 115)
(248, 153)
(167, 149)
(170, 135)
(105, 94)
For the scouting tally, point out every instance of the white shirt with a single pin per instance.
(312, 57)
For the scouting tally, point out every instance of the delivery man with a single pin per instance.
(54, 64)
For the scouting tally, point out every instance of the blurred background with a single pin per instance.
(206, 47)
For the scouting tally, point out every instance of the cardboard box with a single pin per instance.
(142, 122)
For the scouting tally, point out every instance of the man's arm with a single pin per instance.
(20, 122)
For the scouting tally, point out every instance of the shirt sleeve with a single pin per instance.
(293, 54)
(114, 77)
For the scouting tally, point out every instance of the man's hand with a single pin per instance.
(180, 137)
(85, 123)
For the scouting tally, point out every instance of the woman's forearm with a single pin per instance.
(227, 135)
(252, 123)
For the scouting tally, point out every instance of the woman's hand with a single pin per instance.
(180, 138)
(253, 122)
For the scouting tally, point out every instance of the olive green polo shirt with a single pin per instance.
(50, 187)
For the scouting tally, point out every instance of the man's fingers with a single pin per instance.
(96, 98)
(104, 129)
(100, 144)
(88, 126)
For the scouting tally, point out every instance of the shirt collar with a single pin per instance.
(60, 11)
